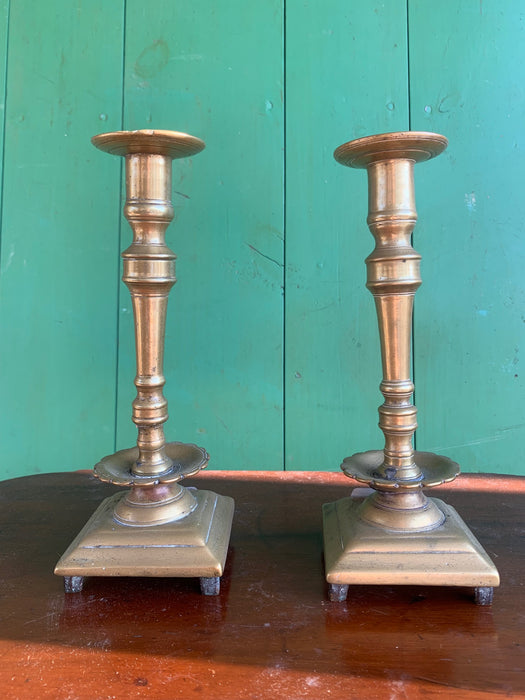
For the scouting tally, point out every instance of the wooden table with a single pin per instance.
(271, 633)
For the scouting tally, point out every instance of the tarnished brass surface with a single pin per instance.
(367, 467)
(131, 535)
(398, 535)
(118, 468)
(149, 273)
(195, 546)
(359, 553)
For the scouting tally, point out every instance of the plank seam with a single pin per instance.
(285, 174)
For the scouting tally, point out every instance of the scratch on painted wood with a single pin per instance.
(268, 257)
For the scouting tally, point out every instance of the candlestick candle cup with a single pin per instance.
(158, 528)
(397, 535)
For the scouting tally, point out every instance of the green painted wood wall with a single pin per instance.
(272, 358)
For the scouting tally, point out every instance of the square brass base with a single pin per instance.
(194, 546)
(359, 553)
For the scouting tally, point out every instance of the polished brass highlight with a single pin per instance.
(397, 535)
(158, 528)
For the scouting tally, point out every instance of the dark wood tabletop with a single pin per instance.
(271, 633)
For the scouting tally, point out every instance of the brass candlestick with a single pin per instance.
(158, 528)
(397, 535)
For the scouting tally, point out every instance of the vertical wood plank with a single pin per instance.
(215, 71)
(346, 77)
(466, 82)
(4, 32)
(59, 256)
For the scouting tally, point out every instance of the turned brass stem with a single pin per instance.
(149, 274)
(158, 527)
(397, 535)
(393, 278)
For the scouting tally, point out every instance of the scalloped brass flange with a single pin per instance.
(159, 528)
(397, 534)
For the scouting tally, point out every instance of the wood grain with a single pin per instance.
(336, 90)
(271, 632)
(4, 31)
(216, 72)
(260, 379)
(469, 313)
(59, 236)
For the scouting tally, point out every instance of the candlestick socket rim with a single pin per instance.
(174, 144)
(409, 145)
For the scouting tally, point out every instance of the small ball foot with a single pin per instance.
(337, 592)
(73, 584)
(210, 586)
(483, 595)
